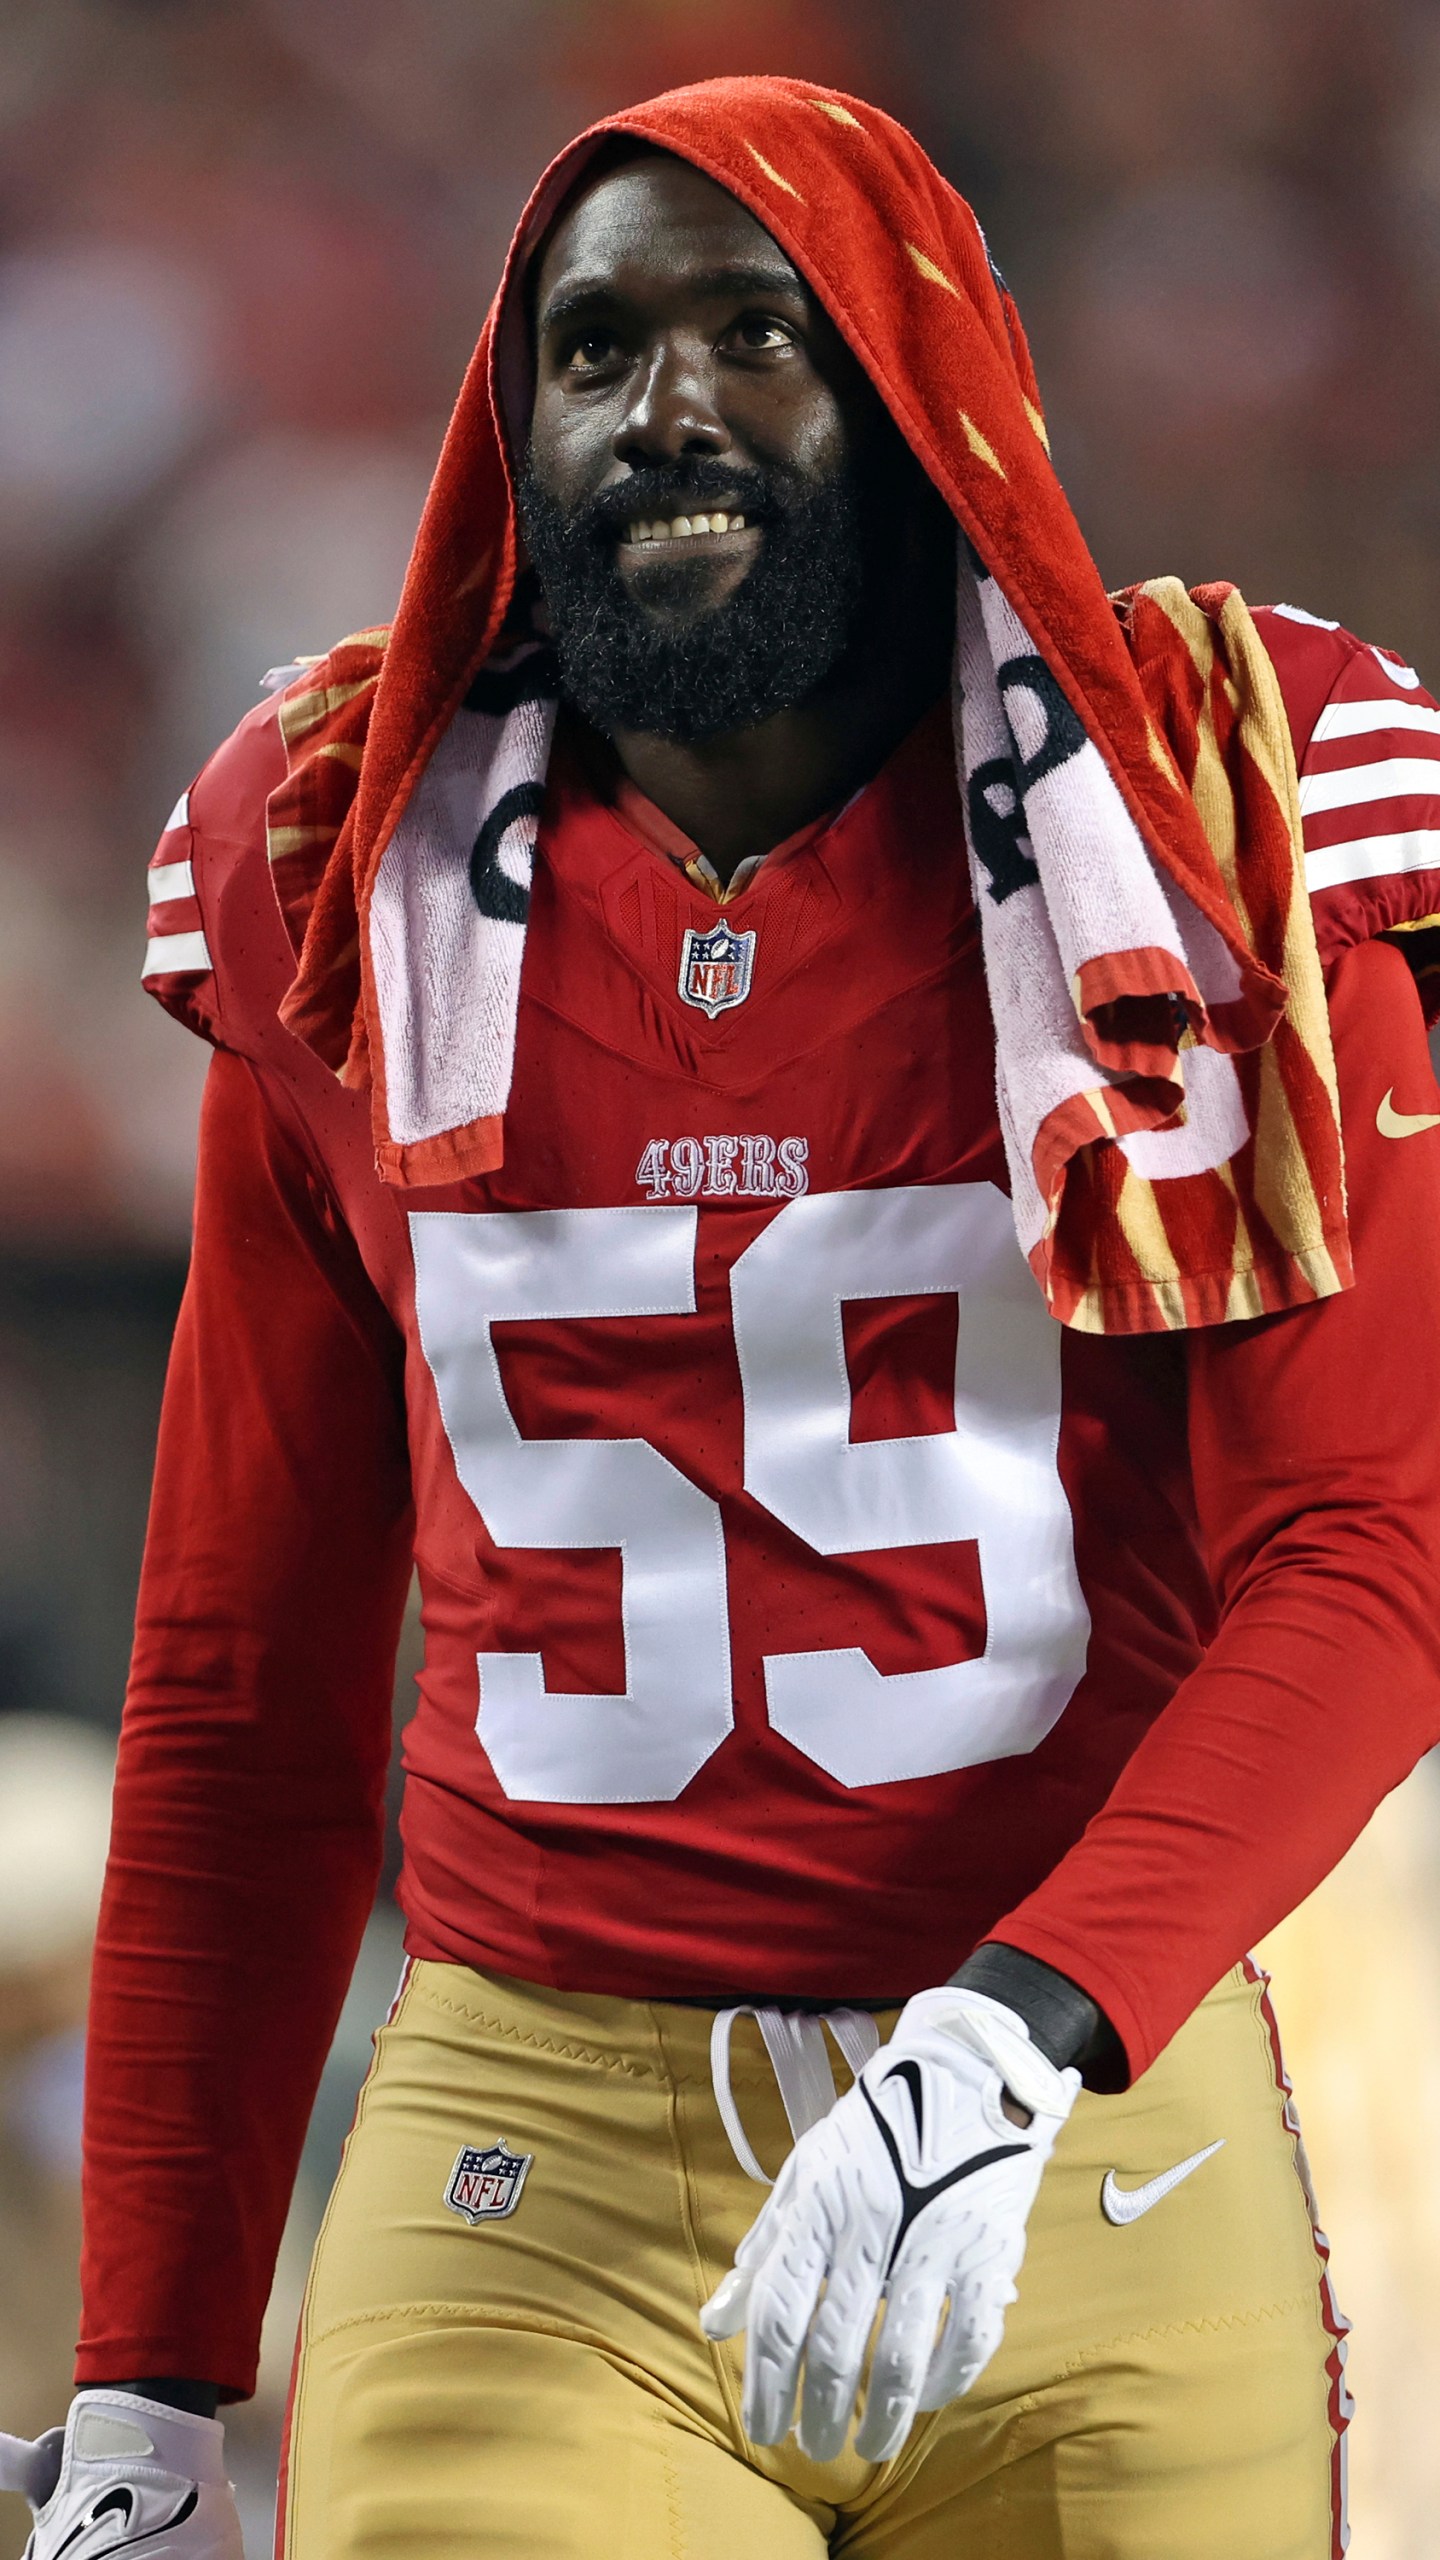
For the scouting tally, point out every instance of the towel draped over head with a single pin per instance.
(1127, 783)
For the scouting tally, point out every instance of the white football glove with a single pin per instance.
(916, 2188)
(125, 2472)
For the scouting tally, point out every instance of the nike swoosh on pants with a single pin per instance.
(1126, 2204)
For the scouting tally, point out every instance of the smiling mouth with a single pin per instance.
(661, 533)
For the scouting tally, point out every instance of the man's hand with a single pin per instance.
(916, 2187)
(123, 2472)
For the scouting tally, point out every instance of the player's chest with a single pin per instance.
(753, 1248)
(707, 1210)
(732, 1383)
(828, 1029)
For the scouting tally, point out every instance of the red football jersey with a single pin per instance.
(747, 1512)
(801, 1603)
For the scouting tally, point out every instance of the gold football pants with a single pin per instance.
(536, 2387)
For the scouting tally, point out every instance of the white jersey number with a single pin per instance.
(993, 1478)
(473, 1272)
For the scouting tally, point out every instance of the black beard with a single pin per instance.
(765, 648)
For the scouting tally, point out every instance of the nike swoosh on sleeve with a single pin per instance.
(1126, 2204)
(1403, 1124)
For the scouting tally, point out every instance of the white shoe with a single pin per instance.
(125, 2474)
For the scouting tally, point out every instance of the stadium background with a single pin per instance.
(244, 250)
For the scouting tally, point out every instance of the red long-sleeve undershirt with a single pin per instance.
(1316, 1464)
(247, 1823)
(249, 1792)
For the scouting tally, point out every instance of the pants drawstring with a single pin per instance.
(795, 2041)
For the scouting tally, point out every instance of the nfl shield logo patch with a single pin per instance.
(716, 968)
(485, 2185)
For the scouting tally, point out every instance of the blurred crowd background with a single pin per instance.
(245, 246)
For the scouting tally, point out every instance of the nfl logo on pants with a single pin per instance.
(485, 2185)
(716, 968)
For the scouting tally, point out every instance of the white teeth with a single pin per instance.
(680, 528)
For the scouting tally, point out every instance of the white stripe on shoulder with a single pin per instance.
(177, 955)
(179, 815)
(1394, 668)
(1371, 857)
(1297, 613)
(167, 880)
(1382, 778)
(1359, 719)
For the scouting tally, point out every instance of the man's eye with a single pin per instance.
(586, 354)
(757, 332)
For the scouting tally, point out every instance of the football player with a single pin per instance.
(775, 1125)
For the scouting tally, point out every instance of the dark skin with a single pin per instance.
(669, 323)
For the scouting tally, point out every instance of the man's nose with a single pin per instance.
(672, 410)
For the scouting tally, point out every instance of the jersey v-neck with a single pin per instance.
(601, 770)
(840, 919)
